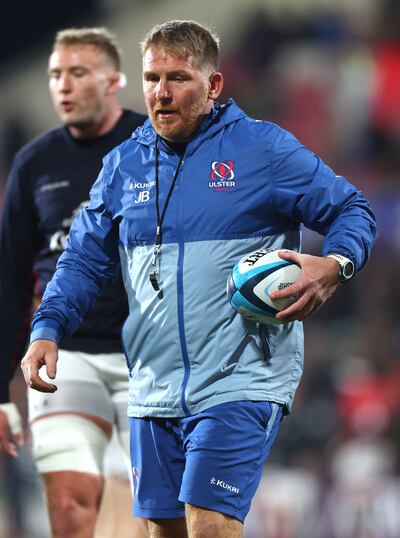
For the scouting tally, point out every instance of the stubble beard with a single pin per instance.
(189, 122)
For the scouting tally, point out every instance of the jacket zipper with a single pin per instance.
(181, 321)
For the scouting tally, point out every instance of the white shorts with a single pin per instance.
(90, 384)
(87, 383)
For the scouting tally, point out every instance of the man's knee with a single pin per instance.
(71, 514)
(68, 442)
(73, 501)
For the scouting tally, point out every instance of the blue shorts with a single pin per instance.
(213, 459)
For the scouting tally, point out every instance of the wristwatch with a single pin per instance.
(346, 267)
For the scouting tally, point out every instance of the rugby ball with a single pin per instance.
(254, 278)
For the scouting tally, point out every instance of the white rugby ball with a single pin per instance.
(254, 278)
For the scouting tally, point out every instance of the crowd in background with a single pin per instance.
(334, 472)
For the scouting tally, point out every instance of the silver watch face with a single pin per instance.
(347, 270)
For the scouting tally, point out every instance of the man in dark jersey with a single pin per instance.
(49, 182)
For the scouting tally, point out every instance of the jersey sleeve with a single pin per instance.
(90, 261)
(19, 241)
(306, 190)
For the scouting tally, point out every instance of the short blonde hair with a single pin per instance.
(98, 37)
(186, 37)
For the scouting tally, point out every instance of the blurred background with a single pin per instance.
(330, 73)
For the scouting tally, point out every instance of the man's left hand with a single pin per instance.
(320, 278)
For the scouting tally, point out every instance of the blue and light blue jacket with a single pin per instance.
(244, 184)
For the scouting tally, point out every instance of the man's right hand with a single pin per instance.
(40, 353)
(11, 434)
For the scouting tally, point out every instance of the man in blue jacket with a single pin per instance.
(197, 187)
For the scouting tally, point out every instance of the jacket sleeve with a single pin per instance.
(90, 261)
(306, 190)
(19, 241)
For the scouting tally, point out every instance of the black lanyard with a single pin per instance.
(155, 261)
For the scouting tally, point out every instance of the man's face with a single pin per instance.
(79, 80)
(176, 93)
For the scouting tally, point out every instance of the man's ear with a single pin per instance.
(123, 81)
(117, 81)
(216, 85)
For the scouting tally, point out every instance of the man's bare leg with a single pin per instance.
(199, 523)
(74, 497)
(202, 523)
(167, 528)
